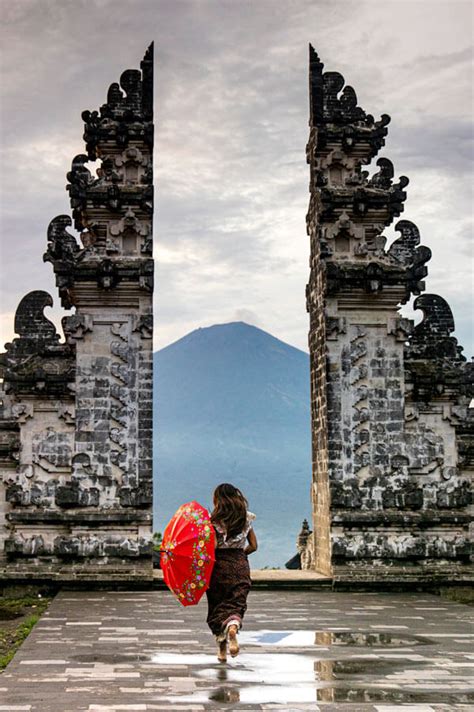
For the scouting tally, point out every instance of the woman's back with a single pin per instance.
(236, 541)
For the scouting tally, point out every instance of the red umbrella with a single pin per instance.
(187, 553)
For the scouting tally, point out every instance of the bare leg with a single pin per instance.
(233, 642)
(222, 651)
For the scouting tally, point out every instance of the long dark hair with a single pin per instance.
(230, 508)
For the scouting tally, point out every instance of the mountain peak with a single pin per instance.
(232, 404)
(231, 333)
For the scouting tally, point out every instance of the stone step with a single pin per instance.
(271, 579)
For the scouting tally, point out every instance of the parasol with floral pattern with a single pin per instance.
(187, 553)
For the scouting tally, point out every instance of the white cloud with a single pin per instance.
(231, 127)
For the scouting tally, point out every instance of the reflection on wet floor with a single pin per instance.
(281, 678)
(247, 668)
(299, 669)
(306, 638)
(225, 694)
(392, 695)
(272, 694)
(291, 678)
(286, 678)
(250, 695)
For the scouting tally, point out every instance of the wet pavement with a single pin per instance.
(301, 650)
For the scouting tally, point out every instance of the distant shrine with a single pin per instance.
(76, 416)
(393, 435)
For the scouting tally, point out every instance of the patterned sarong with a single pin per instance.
(227, 593)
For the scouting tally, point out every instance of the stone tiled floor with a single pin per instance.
(301, 650)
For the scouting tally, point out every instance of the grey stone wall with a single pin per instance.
(392, 431)
(76, 419)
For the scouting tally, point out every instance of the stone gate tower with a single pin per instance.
(393, 451)
(76, 418)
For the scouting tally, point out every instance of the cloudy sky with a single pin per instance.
(231, 114)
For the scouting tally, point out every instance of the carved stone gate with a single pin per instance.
(76, 415)
(393, 451)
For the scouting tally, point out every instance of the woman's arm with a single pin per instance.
(252, 542)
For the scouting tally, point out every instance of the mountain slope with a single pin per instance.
(232, 404)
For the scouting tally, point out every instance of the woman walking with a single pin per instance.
(230, 580)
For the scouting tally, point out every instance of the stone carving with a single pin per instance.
(36, 361)
(392, 432)
(80, 179)
(82, 409)
(77, 325)
(22, 411)
(51, 450)
(432, 338)
(144, 325)
(131, 232)
(61, 244)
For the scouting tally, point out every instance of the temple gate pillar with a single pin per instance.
(78, 489)
(390, 400)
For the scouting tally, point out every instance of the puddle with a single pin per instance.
(308, 638)
(377, 694)
(286, 668)
(225, 694)
(273, 694)
(264, 668)
(248, 695)
(110, 658)
(291, 678)
(327, 670)
(369, 639)
(299, 669)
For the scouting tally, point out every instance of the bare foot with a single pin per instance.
(222, 651)
(233, 642)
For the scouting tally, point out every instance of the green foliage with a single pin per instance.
(157, 539)
(460, 594)
(12, 638)
(15, 607)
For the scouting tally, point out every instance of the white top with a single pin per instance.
(239, 541)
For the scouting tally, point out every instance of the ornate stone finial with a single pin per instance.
(316, 91)
(407, 251)
(431, 338)
(62, 246)
(435, 366)
(147, 73)
(334, 111)
(64, 254)
(326, 103)
(30, 321)
(403, 248)
(349, 210)
(112, 210)
(127, 114)
(36, 361)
